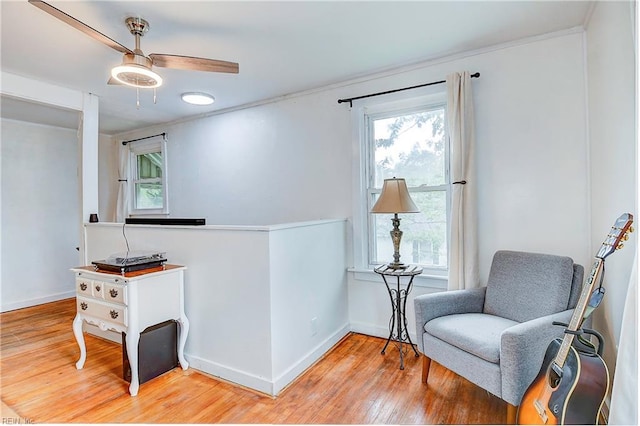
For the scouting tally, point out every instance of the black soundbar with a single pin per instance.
(164, 221)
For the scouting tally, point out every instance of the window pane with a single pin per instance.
(148, 195)
(424, 239)
(411, 146)
(149, 165)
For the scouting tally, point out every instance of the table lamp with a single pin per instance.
(395, 199)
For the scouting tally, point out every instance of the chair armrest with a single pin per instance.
(430, 306)
(522, 351)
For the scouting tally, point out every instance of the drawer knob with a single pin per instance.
(114, 314)
(97, 288)
(113, 292)
(83, 286)
(84, 306)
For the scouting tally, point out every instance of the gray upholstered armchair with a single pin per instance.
(496, 336)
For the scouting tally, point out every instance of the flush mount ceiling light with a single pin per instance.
(197, 98)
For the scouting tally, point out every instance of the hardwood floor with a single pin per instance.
(352, 384)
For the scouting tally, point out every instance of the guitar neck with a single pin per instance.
(578, 313)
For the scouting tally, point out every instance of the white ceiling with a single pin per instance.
(282, 47)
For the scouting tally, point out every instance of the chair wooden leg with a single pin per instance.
(426, 363)
(512, 413)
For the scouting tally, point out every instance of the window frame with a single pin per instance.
(141, 148)
(364, 189)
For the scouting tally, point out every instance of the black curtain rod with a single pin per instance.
(164, 136)
(350, 100)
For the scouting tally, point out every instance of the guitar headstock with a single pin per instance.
(619, 233)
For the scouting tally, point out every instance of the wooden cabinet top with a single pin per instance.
(92, 269)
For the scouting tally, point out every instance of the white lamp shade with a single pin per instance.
(395, 198)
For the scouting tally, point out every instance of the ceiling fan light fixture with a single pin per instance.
(136, 76)
(198, 98)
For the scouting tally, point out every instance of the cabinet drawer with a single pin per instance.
(115, 293)
(106, 311)
(97, 289)
(84, 286)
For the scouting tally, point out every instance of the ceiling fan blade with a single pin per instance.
(70, 20)
(193, 63)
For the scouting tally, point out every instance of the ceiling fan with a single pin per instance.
(135, 69)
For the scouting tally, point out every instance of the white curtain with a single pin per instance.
(463, 244)
(122, 204)
(624, 397)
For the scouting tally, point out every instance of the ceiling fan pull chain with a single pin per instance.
(154, 96)
(137, 98)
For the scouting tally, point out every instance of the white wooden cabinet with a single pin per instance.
(130, 303)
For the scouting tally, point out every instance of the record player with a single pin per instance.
(131, 261)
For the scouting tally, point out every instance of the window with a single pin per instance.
(409, 143)
(149, 178)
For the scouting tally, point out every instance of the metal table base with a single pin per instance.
(398, 332)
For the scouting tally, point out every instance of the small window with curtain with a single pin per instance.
(149, 177)
(410, 144)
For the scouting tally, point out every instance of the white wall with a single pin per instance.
(294, 160)
(308, 274)
(532, 166)
(612, 138)
(278, 163)
(83, 164)
(40, 213)
(108, 178)
(611, 75)
(250, 293)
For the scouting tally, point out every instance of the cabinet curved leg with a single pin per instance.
(77, 332)
(183, 333)
(133, 338)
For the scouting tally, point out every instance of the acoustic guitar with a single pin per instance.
(573, 382)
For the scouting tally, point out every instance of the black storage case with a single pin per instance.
(157, 351)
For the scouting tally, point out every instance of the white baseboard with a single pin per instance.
(12, 306)
(262, 384)
(230, 374)
(375, 330)
(308, 360)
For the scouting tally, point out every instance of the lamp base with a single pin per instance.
(396, 236)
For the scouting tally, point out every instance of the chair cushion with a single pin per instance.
(523, 286)
(475, 333)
